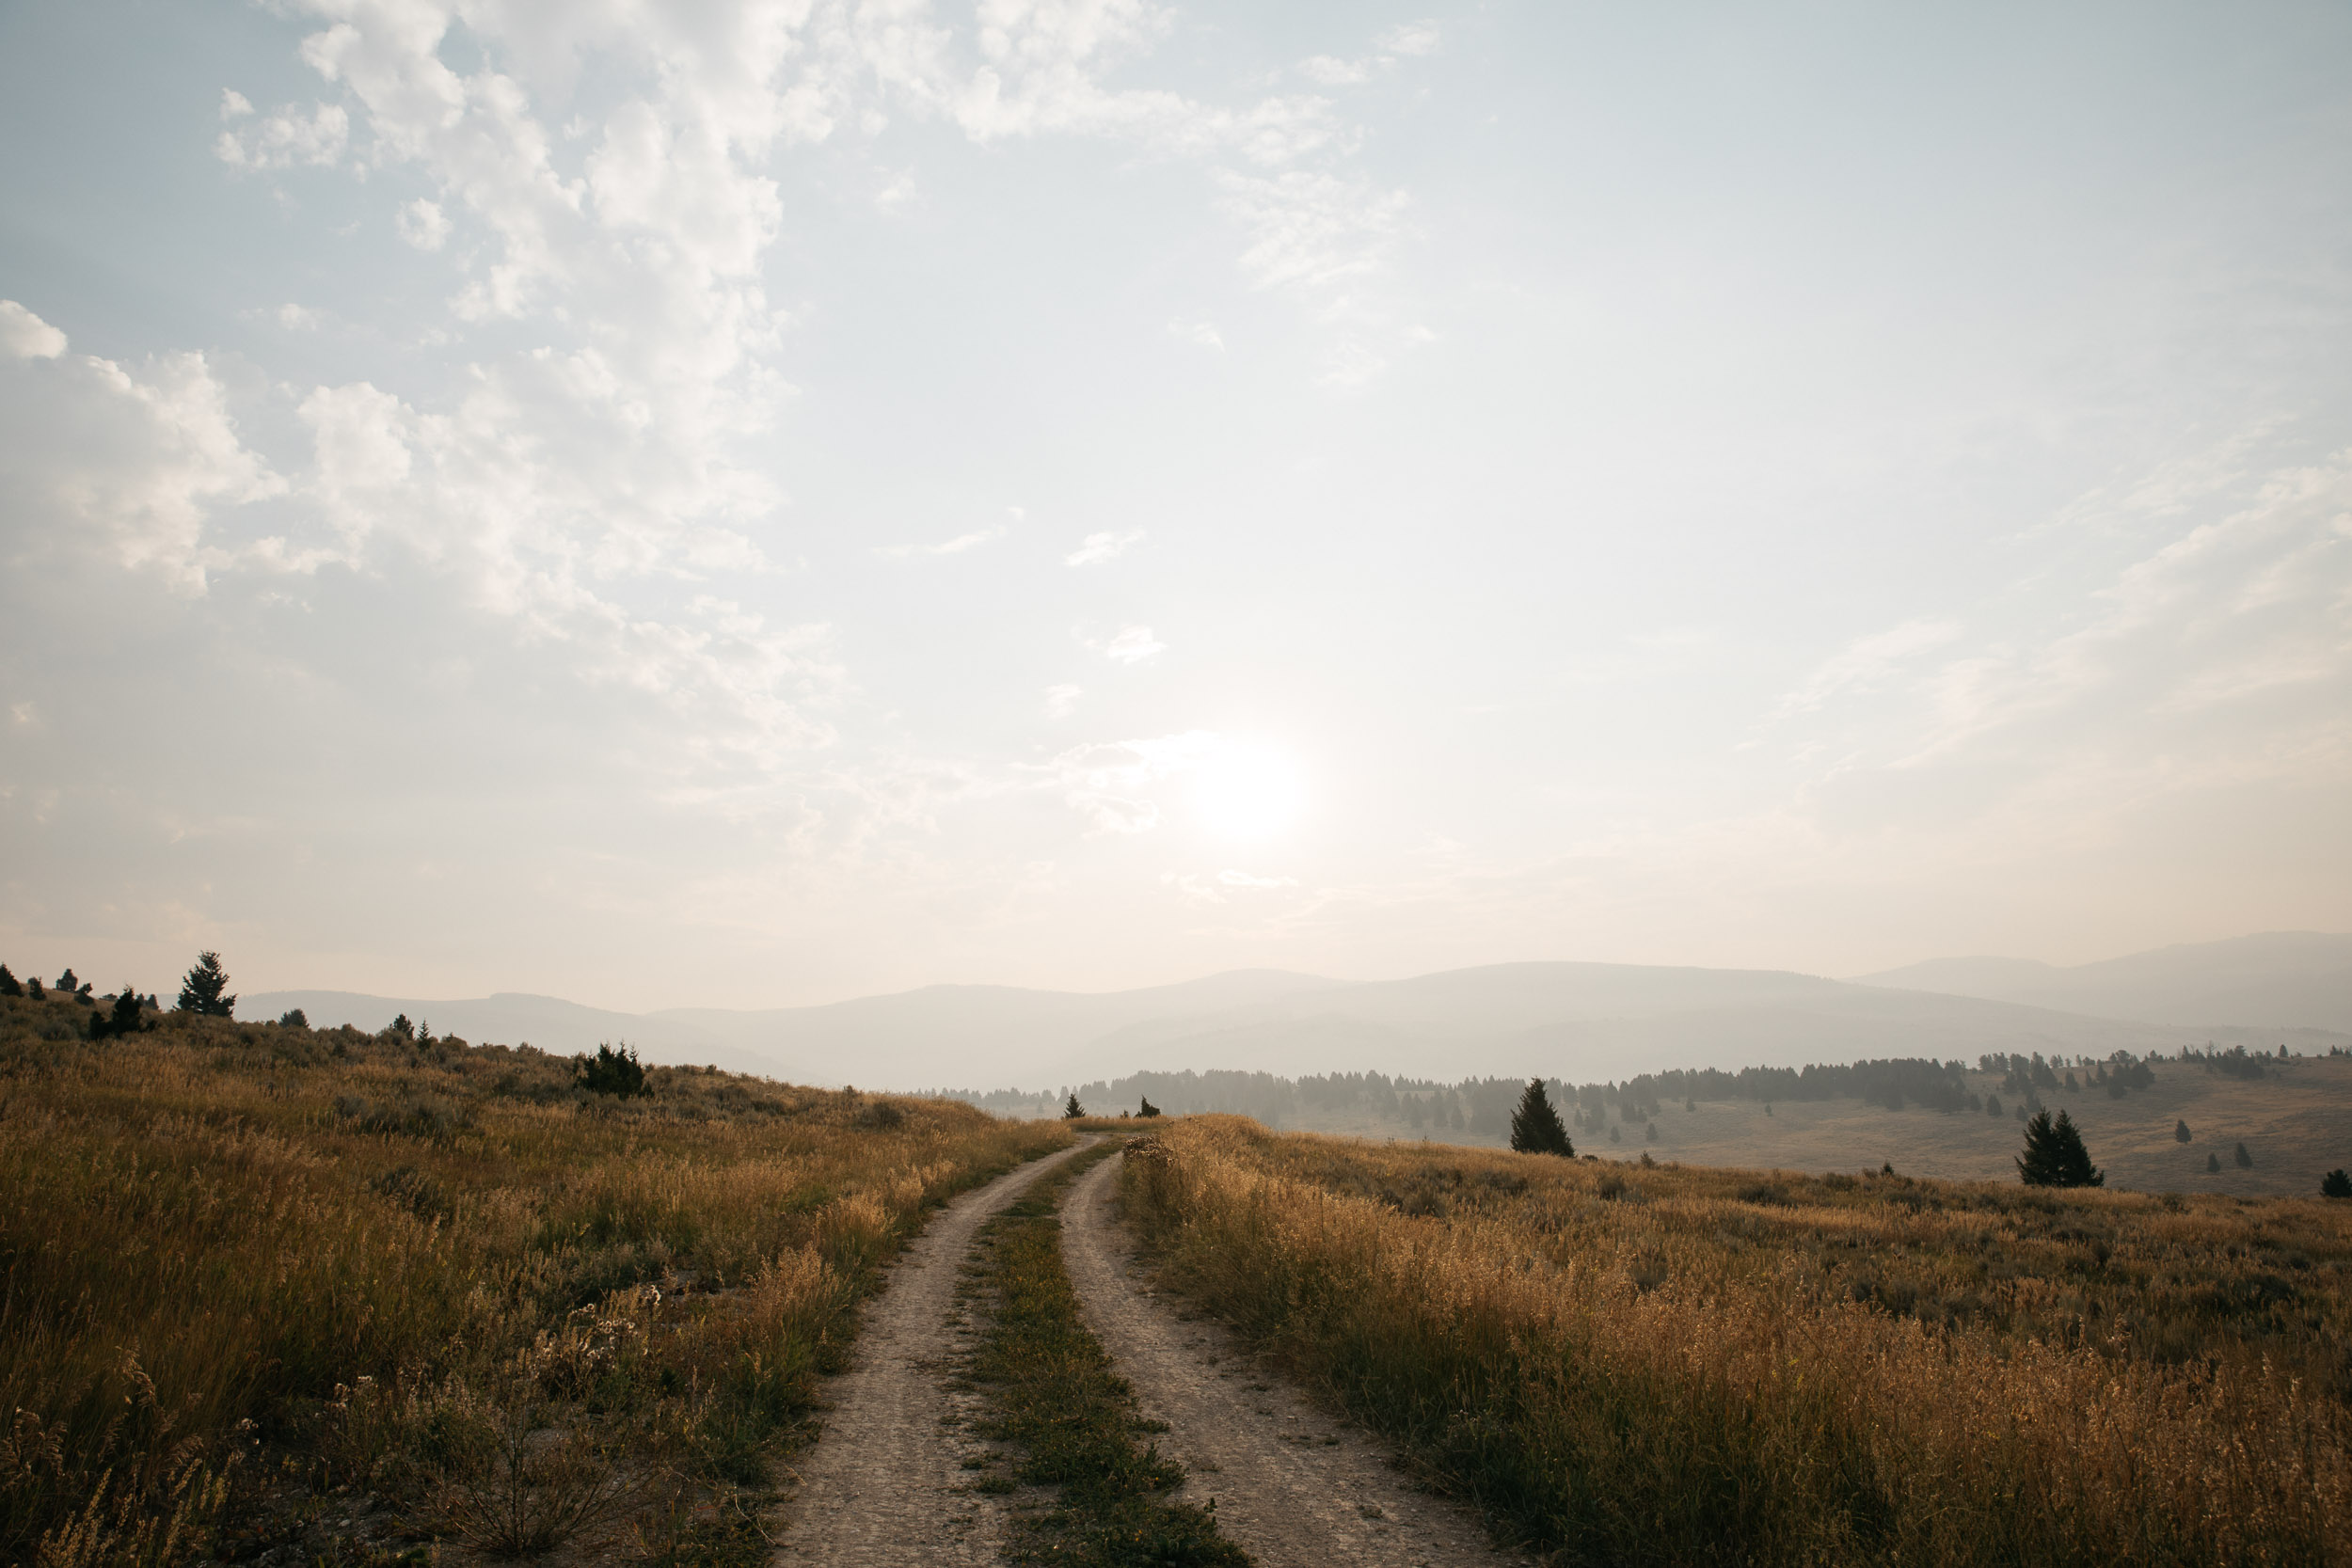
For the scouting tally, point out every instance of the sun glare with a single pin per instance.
(1248, 793)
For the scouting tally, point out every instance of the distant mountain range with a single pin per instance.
(1572, 1021)
(2300, 980)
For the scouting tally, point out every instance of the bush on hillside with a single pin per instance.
(2055, 1155)
(1537, 1128)
(614, 1072)
(204, 991)
(2336, 1183)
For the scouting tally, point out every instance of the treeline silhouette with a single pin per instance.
(1484, 1105)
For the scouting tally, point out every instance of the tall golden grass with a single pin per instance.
(1669, 1366)
(371, 1262)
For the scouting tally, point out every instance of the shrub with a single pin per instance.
(2055, 1155)
(1147, 1109)
(1535, 1127)
(614, 1072)
(124, 1019)
(9, 984)
(2336, 1183)
(2180, 1132)
(2245, 1160)
(294, 1017)
(204, 991)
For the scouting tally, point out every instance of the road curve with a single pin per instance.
(884, 1484)
(1293, 1487)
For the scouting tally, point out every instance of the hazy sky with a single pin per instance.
(754, 503)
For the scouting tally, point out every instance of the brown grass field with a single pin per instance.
(333, 1295)
(1677, 1365)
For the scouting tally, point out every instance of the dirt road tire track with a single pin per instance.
(1293, 1487)
(884, 1484)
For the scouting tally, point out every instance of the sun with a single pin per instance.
(1248, 792)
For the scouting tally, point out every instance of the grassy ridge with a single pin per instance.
(1054, 1393)
(383, 1265)
(1635, 1365)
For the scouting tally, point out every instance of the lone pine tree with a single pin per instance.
(204, 989)
(1535, 1127)
(2055, 1155)
(1072, 1110)
(124, 1019)
(2336, 1183)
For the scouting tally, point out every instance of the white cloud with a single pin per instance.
(1333, 72)
(1200, 332)
(25, 335)
(234, 105)
(1098, 548)
(1410, 39)
(297, 318)
(287, 139)
(1133, 645)
(1062, 701)
(956, 546)
(423, 224)
(1868, 663)
(1312, 229)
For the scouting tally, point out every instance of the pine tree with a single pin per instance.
(124, 1019)
(1071, 1111)
(67, 984)
(1992, 1105)
(1535, 1127)
(2180, 1134)
(2335, 1184)
(204, 989)
(294, 1017)
(1148, 1108)
(9, 984)
(610, 1071)
(2245, 1160)
(2213, 1164)
(401, 1028)
(2055, 1155)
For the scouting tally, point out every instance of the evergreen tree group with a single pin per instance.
(2336, 1183)
(614, 1072)
(2055, 1155)
(1535, 1127)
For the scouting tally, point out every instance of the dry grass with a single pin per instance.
(247, 1265)
(1675, 1365)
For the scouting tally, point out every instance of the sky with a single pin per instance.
(749, 503)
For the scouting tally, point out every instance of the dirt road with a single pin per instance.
(884, 1485)
(1292, 1486)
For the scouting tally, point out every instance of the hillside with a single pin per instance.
(2278, 979)
(1569, 1019)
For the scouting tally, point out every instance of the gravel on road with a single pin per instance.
(884, 1482)
(1294, 1487)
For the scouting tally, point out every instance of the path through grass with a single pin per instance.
(1053, 1392)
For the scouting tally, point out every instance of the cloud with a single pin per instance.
(1868, 663)
(1222, 887)
(956, 546)
(1312, 229)
(1410, 39)
(1096, 548)
(234, 105)
(297, 318)
(1203, 333)
(423, 224)
(1062, 701)
(25, 335)
(287, 139)
(1133, 645)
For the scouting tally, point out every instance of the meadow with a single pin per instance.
(1625, 1362)
(324, 1294)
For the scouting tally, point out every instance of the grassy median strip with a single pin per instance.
(1053, 1393)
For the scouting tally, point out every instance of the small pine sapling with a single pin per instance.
(2055, 1155)
(1535, 1127)
(205, 989)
